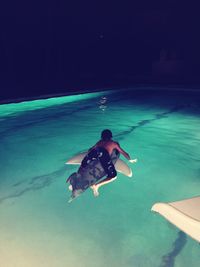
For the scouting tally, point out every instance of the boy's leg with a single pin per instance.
(108, 167)
(96, 187)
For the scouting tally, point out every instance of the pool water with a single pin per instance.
(37, 225)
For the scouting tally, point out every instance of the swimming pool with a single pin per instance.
(37, 225)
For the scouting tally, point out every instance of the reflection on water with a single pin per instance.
(103, 103)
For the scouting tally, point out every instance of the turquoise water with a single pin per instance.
(37, 225)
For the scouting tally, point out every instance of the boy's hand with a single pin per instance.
(132, 160)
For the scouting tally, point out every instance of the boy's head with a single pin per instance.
(106, 135)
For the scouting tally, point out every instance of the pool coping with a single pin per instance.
(175, 87)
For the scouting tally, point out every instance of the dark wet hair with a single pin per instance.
(106, 135)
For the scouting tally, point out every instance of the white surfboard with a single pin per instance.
(77, 159)
(120, 165)
(184, 214)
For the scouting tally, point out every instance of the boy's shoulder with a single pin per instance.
(114, 142)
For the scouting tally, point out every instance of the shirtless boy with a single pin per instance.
(103, 150)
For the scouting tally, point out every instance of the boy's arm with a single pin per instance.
(124, 153)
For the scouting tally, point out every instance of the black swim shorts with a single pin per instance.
(103, 156)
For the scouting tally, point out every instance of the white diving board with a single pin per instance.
(184, 214)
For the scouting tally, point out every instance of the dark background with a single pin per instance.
(61, 46)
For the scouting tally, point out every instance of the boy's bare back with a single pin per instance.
(109, 145)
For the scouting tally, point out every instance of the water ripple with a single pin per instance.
(32, 119)
(35, 183)
(168, 260)
(163, 115)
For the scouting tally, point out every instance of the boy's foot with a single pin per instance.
(95, 190)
